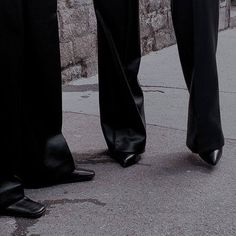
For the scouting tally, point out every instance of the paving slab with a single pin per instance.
(170, 192)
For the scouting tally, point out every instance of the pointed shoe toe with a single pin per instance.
(212, 157)
(126, 159)
(81, 175)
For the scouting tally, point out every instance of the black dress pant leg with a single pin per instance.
(11, 57)
(121, 98)
(11, 190)
(45, 153)
(196, 27)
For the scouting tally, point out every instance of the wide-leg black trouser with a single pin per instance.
(34, 146)
(121, 98)
(196, 27)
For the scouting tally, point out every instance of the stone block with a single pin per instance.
(77, 28)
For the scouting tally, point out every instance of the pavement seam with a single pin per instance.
(148, 124)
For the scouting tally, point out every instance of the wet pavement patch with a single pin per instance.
(22, 226)
(52, 203)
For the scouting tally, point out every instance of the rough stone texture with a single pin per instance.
(78, 38)
(78, 32)
(224, 14)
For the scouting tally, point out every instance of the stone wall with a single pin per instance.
(77, 25)
(225, 14)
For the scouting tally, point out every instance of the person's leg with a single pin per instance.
(12, 199)
(196, 27)
(11, 190)
(121, 98)
(205, 88)
(46, 157)
(182, 16)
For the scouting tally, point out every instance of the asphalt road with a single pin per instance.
(171, 192)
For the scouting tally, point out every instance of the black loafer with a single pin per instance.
(24, 208)
(78, 175)
(126, 159)
(212, 157)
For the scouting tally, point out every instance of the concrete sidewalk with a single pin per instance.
(171, 191)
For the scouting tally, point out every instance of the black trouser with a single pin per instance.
(196, 27)
(121, 98)
(31, 103)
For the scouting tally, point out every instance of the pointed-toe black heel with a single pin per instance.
(212, 157)
(126, 159)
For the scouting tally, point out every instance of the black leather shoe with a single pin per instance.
(78, 175)
(212, 157)
(24, 208)
(126, 159)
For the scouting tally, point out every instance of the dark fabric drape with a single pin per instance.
(31, 102)
(121, 98)
(196, 27)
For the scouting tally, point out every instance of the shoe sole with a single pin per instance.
(21, 215)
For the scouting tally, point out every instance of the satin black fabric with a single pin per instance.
(31, 94)
(121, 98)
(196, 28)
